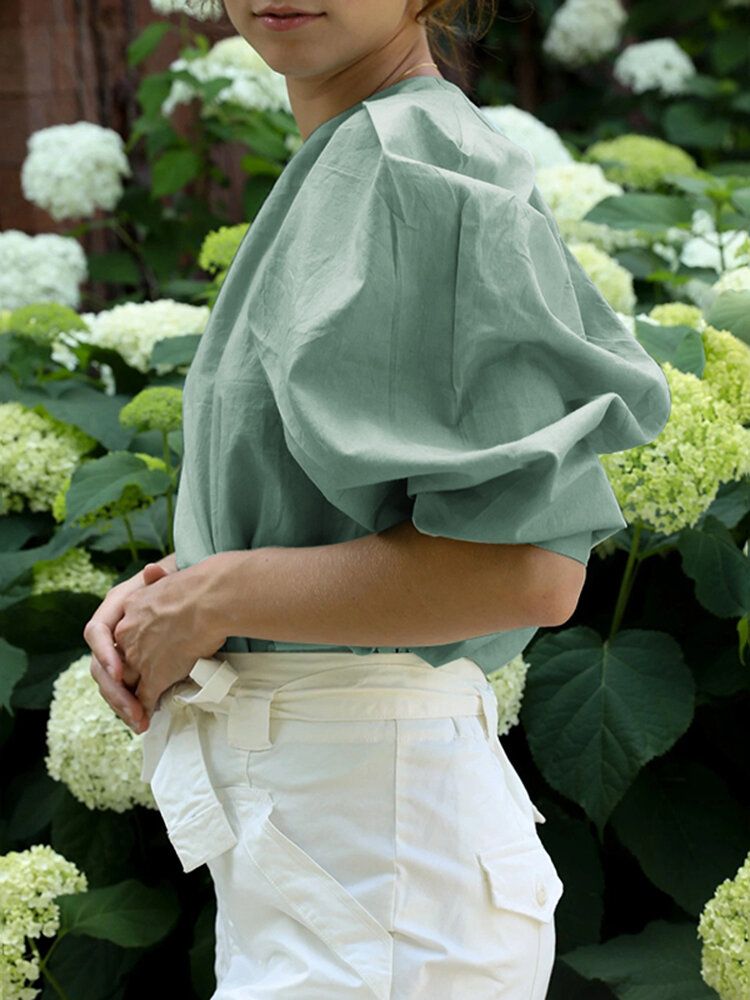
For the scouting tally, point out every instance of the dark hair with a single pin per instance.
(447, 30)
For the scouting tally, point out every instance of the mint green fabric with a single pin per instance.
(403, 334)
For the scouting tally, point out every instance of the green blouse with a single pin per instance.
(402, 333)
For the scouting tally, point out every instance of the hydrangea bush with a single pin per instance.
(626, 723)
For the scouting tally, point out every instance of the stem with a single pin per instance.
(628, 578)
(51, 979)
(132, 245)
(131, 538)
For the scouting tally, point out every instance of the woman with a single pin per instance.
(390, 481)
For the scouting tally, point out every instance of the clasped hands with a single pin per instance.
(145, 636)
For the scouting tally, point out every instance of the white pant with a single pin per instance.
(366, 834)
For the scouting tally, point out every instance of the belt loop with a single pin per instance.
(249, 722)
(490, 711)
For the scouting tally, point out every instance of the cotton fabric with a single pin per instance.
(404, 334)
(365, 832)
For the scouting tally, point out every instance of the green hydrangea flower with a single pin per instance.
(5, 315)
(37, 455)
(73, 571)
(29, 882)
(613, 280)
(724, 928)
(89, 748)
(156, 408)
(640, 161)
(45, 321)
(669, 482)
(678, 314)
(727, 369)
(219, 248)
(508, 683)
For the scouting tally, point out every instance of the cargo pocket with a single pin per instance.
(522, 877)
(310, 895)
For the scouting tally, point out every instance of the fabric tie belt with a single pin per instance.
(173, 757)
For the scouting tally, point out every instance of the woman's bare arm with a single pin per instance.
(393, 588)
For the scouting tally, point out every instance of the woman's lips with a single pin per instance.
(288, 21)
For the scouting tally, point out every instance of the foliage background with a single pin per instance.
(646, 797)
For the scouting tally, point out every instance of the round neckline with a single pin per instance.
(330, 123)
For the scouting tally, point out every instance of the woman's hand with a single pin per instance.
(114, 677)
(165, 627)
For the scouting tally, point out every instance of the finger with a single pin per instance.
(153, 572)
(122, 702)
(146, 698)
(99, 637)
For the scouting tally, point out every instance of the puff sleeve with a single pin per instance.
(447, 359)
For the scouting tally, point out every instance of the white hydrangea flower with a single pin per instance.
(201, 10)
(37, 455)
(29, 882)
(90, 748)
(573, 189)
(73, 170)
(582, 31)
(658, 64)
(528, 131)
(254, 85)
(703, 248)
(735, 280)
(613, 280)
(132, 328)
(508, 683)
(43, 268)
(73, 571)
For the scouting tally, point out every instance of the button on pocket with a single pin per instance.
(522, 878)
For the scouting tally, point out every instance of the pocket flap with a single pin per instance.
(523, 878)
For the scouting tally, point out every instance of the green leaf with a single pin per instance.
(99, 841)
(595, 712)
(153, 91)
(175, 350)
(13, 565)
(142, 47)
(149, 527)
(89, 970)
(692, 123)
(688, 807)
(129, 914)
(720, 673)
(681, 346)
(640, 261)
(731, 503)
(731, 311)
(173, 170)
(720, 571)
(573, 847)
(35, 689)
(13, 665)
(48, 622)
(203, 951)
(663, 962)
(103, 480)
(640, 210)
(116, 266)
(728, 51)
(39, 797)
(16, 529)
